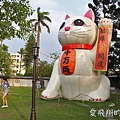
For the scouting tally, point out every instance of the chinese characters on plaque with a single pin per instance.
(102, 48)
(68, 62)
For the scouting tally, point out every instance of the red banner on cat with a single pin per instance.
(68, 62)
(101, 58)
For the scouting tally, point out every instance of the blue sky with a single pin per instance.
(58, 9)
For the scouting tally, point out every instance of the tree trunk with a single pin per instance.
(38, 45)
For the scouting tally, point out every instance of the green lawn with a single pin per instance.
(20, 107)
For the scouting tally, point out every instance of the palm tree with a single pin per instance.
(41, 17)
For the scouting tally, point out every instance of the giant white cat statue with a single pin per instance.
(73, 73)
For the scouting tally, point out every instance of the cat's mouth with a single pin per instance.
(67, 34)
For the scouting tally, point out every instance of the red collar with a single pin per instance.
(77, 46)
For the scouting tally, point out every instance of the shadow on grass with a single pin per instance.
(19, 112)
(2, 115)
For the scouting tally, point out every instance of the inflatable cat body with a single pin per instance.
(73, 72)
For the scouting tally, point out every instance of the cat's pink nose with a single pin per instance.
(67, 28)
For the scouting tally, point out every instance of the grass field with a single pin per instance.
(20, 107)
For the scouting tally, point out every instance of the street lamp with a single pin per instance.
(35, 56)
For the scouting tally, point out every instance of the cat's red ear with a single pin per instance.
(89, 14)
(67, 16)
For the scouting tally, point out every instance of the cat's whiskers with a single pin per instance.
(60, 36)
(88, 26)
(80, 31)
(61, 32)
(78, 36)
(76, 29)
(76, 33)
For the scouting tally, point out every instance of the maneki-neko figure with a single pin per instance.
(77, 73)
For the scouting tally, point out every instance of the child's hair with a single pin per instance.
(5, 78)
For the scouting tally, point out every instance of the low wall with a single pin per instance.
(115, 81)
(23, 81)
(19, 82)
(27, 81)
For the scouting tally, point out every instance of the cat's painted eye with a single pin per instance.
(78, 22)
(62, 25)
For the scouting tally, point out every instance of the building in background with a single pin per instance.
(18, 66)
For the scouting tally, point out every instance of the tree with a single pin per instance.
(44, 69)
(41, 17)
(28, 59)
(21, 52)
(55, 56)
(29, 71)
(13, 19)
(110, 9)
(5, 61)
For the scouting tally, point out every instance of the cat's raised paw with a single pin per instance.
(105, 22)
